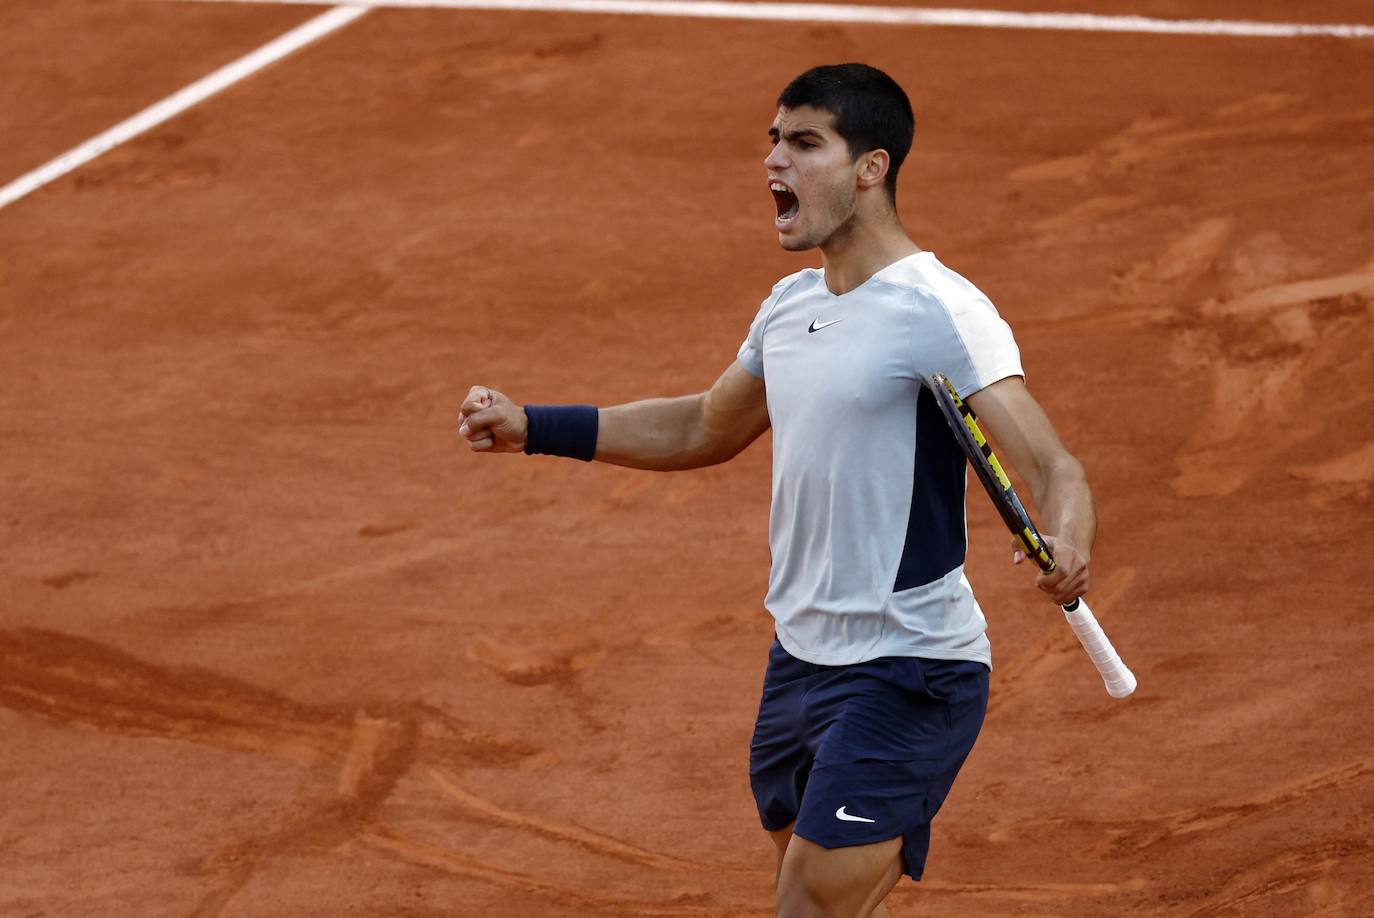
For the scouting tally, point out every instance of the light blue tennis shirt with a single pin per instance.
(867, 528)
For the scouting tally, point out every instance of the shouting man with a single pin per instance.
(877, 681)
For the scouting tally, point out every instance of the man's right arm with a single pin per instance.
(662, 434)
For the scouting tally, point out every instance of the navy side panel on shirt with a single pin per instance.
(935, 537)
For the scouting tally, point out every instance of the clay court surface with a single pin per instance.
(273, 643)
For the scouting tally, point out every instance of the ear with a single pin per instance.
(873, 167)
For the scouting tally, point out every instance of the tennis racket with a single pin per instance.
(1119, 680)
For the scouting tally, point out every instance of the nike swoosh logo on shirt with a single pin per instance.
(817, 324)
(840, 813)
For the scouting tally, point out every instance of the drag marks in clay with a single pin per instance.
(1299, 869)
(1260, 358)
(1146, 834)
(78, 682)
(592, 842)
(1160, 137)
(1056, 648)
(440, 858)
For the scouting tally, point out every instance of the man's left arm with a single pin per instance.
(1023, 435)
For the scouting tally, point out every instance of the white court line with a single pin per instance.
(179, 101)
(340, 16)
(884, 15)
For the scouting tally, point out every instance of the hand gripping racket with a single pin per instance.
(1119, 680)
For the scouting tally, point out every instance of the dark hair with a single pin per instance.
(871, 111)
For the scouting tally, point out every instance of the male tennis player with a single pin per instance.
(877, 683)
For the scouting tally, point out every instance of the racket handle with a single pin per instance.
(1119, 680)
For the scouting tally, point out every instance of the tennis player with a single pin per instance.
(877, 682)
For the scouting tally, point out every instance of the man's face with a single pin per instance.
(812, 177)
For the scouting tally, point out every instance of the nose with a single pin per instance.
(776, 158)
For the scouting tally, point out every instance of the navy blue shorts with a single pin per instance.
(863, 753)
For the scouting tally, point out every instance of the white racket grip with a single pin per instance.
(1119, 680)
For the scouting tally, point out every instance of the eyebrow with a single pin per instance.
(795, 135)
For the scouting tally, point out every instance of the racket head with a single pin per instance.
(963, 423)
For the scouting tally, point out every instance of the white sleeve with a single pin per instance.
(751, 351)
(989, 350)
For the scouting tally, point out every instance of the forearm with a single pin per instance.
(1066, 503)
(659, 434)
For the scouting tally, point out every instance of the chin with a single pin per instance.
(797, 243)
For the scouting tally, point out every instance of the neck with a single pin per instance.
(863, 247)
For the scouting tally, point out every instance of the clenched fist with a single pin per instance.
(492, 423)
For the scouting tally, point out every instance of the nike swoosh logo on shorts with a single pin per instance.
(817, 324)
(840, 813)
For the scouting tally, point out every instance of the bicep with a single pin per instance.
(1020, 430)
(735, 409)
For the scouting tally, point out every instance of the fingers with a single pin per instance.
(1069, 580)
(479, 397)
(490, 422)
(474, 416)
(476, 429)
(1018, 554)
(478, 425)
(1051, 582)
(1063, 585)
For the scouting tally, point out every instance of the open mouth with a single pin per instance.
(786, 201)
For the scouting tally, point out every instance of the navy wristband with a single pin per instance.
(562, 430)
